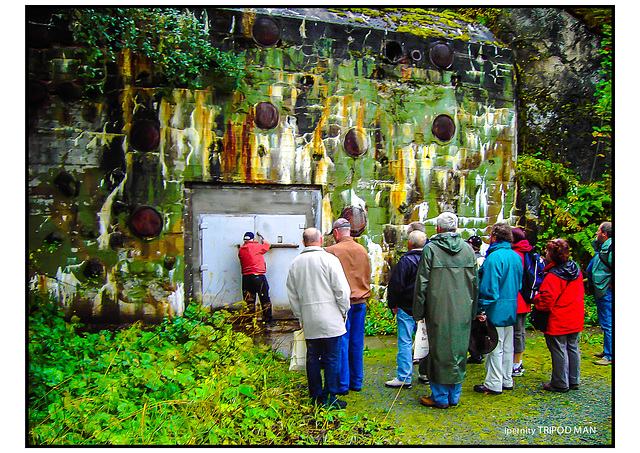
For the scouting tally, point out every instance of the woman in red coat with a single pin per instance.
(562, 295)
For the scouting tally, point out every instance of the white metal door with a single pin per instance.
(221, 236)
(220, 268)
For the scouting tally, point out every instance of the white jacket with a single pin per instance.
(319, 293)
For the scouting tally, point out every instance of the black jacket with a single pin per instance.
(402, 281)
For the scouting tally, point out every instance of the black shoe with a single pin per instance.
(552, 388)
(355, 390)
(337, 404)
(346, 392)
(474, 360)
(574, 386)
(507, 388)
(482, 389)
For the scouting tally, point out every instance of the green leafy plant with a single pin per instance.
(192, 380)
(569, 209)
(176, 42)
(379, 320)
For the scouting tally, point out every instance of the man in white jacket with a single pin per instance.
(319, 295)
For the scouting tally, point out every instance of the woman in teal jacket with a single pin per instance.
(500, 281)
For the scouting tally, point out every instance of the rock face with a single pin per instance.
(558, 63)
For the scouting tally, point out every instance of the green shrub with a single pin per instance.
(190, 381)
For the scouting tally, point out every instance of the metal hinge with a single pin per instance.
(204, 268)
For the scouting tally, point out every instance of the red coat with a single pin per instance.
(562, 293)
(251, 259)
(521, 248)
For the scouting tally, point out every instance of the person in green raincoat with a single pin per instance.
(446, 297)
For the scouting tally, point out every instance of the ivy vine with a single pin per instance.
(176, 42)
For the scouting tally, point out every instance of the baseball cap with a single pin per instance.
(341, 223)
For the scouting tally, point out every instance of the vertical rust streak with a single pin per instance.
(229, 150)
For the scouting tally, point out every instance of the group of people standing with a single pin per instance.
(451, 284)
(446, 282)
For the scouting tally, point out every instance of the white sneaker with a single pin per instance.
(423, 378)
(395, 383)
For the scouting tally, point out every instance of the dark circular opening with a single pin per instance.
(144, 135)
(393, 51)
(266, 32)
(307, 81)
(266, 115)
(93, 268)
(357, 217)
(444, 128)
(146, 222)
(441, 55)
(354, 143)
(416, 55)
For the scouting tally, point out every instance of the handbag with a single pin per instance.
(298, 352)
(421, 343)
(539, 319)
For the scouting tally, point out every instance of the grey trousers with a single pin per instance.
(565, 359)
(499, 363)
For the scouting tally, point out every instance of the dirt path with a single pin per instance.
(527, 415)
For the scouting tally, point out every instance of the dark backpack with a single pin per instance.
(532, 276)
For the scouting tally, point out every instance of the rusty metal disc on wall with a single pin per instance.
(355, 143)
(441, 55)
(443, 128)
(146, 222)
(357, 217)
(266, 115)
(266, 32)
(144, 135)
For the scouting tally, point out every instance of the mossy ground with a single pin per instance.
(580, 417)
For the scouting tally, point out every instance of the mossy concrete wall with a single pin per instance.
(329, 89)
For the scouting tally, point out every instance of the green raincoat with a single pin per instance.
(446, 296)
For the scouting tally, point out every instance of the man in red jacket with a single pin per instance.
(254, 279)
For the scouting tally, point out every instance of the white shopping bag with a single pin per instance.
(298, 352)
(421, 343)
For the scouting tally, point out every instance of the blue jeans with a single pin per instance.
(352, 349)
(406, 330)
(323, 353)
(604, 317)
(446, 393)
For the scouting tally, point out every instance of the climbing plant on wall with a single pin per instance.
(176, 42)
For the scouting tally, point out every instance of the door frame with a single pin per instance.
(219, 198)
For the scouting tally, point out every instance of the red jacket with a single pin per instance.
(562, 294)
(251, 259)
(521, 248)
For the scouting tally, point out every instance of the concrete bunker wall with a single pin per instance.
(393, 126)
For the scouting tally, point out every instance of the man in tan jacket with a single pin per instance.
(355, 262)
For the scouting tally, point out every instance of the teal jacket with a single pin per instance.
(599, 270)
(500, 281)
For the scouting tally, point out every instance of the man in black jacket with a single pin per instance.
(400, 301)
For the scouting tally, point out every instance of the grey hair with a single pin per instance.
(607, 229)
(447, 221)
(417, 239)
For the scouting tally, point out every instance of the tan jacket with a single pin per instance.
(355, 262)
